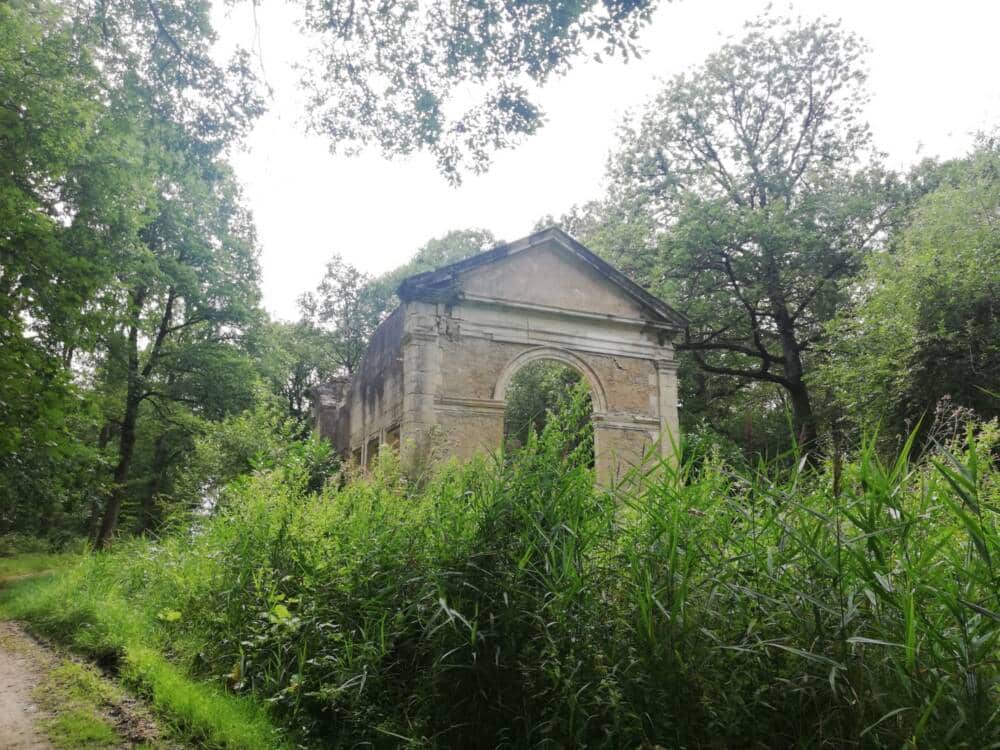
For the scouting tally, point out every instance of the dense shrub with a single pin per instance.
(509, 603)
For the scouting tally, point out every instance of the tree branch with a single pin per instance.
(163, 29)
(751, 311)
(761, 373)
(187, 323)
(811, 294)
(161, 334)
(719, 346)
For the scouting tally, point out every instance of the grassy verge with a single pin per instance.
(75, 696)
(104, 628)
(34, 563)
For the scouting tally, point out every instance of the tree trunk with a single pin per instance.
(94, 523)
(155, 484)
(135, 393)
(802, 416)
(126, 445)
(791, 353)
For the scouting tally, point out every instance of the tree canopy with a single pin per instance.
(756, 194)
(454, 79)
(129, 265)
(924, 324)
(349, 304)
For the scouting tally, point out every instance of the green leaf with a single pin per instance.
(168, 615)
(280, 612)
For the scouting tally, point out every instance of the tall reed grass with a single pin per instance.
(509, 603)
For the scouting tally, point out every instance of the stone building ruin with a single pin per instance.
(438, 368)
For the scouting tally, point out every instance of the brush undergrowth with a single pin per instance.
(509, 603)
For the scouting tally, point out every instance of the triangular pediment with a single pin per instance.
(550, 269)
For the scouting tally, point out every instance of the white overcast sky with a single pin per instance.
(933, 78)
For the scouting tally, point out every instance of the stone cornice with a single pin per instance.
(486, 405)
(561, 312)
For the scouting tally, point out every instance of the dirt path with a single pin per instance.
(49, 700)
(20, 672)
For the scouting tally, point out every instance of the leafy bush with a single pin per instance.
(20, 544)
(259, 439)
(510, 603)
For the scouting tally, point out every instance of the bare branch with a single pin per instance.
(761, 373)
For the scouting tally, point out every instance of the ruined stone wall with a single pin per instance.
(371, 405)
(331, 421)
(460, 358)
(434, 380)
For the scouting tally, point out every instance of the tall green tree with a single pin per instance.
(451, 247)
(122, 225)
(294, 358)
(189, 286)
(53, 138)
(349, 304)
(756, 173)
(925, 321)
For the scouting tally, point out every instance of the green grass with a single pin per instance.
(196, 710)
(509, 603)
(75, 695)
(106, 629)
(79, 728)
(34, 563)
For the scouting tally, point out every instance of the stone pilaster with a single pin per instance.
(620, 443)
(421, 379)
(670, 435)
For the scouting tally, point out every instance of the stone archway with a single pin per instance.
(553, 354)
(540, 379)
(437, 371)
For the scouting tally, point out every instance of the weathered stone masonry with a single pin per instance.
(439, 367)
